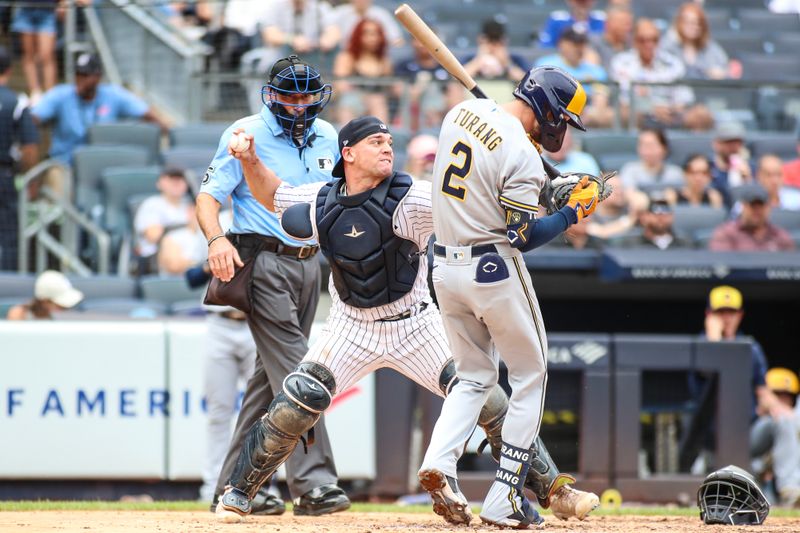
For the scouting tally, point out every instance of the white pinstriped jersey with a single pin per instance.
(354, 341)
(412, 220)
(484, 163)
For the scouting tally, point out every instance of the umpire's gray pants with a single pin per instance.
(285, 297)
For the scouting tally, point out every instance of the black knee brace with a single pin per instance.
(306, 393)
(447, 377)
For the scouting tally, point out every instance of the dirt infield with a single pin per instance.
(350, 522)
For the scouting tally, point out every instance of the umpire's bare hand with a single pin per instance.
(223, 258)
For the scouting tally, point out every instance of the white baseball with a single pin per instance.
(239, 142)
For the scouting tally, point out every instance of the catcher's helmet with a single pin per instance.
(557, 99)
(291, 76)
(731, 496)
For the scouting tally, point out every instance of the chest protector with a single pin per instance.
(371, 266)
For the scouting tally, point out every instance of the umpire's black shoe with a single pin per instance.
(324, 499)
(264, 504)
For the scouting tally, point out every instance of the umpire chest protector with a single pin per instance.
(371, 266)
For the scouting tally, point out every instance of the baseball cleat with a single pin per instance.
(448, 501)
(232, 507)
(567, 502)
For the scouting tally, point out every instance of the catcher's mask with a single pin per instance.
(731, 496)
(557, 99)
(291, 76)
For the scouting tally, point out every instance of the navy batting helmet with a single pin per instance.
(288, 77)
(731, 496)
(557, 99)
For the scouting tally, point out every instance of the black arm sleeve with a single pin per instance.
(526, 233)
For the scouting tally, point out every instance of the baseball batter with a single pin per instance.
(487, 180)
(373, 225)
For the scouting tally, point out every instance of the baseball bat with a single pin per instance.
(424, 34)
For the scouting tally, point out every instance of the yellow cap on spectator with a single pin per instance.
(782, 380)
(725, 297)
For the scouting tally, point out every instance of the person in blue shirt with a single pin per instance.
(580, 15)
(72, 109)
(301, 148)
(571, 47)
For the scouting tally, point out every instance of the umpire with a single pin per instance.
(285, 281)
(19, 139)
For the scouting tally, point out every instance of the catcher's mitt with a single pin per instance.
(556, 192)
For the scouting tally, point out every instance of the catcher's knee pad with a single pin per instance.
(491, 418)
(543, 478)
(448, 377)
(296, 408)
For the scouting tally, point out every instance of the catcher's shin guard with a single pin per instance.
(305, 395)
(543, 478)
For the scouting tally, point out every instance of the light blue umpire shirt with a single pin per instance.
(297, 167)
(73, 116)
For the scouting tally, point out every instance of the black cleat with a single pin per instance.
(324, 499)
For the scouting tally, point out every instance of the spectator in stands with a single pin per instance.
(181, 248)
(775, 436)
(493, 60)
(571, 58)
(696, 189)
(668, 105)
(784, 6)
(431, 91)
(421, 152)
(770, 175)
(580, 14)
(791, 170)
(657, 230)
(731, 163)
(300, 27)
(751, 231)
(618, 213)
(349, 14)
(724, 315)
(52, 292)
(19, 141)
(651, 168)
(569, 159)
(366, 56)
(241, 21)
(160, 213)
(74, 108)
(690, 39)
(577, 237)
(615, 38)
(35, 22)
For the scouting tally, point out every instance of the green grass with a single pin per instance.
(46, 505)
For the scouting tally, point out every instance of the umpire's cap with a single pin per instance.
(354, 131)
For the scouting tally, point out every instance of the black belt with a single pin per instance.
(478, 249)
(274, 245)
(405, 314)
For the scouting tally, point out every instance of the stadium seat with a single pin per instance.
(187, 308)
(783, 43)
(736, 43)
(193, 159)
(683, 145)
(205, 135)
(169, 290)
(13, 284)
(784, 145)
(141, 134)
(614, 161)
(719, 19)
(88, 165)
(788, 219)
(123, 307)
(103, 287)
(768, 21)
(766, 67)
(606, 143)
(691, 219)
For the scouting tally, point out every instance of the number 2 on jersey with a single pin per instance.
(459, 192)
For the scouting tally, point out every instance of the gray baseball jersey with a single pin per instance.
(484, 164)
